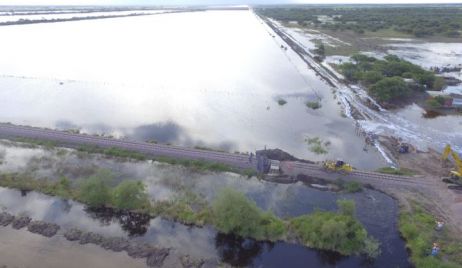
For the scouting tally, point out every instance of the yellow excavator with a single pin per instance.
(337, 166)
(455, 176)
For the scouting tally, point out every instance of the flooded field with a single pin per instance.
(375, 210)
(189, 79)
(411, 123)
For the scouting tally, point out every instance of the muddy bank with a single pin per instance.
(154, 255)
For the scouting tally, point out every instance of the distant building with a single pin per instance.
(456, 100)
(452, 100)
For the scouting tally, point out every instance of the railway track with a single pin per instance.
(367, 176)
(237, 160)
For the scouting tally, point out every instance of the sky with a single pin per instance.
(210, 2)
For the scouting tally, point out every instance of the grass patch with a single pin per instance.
(282, 102)
(418, 229)
(396, 171)
(317, 146)
(353, 187)
(196, 165)
(313, 105)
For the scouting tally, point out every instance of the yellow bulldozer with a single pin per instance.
(455, 176)
(337, 166)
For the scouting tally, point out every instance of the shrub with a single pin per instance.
(282, 102)
(346, 207)
(353, 187)
(130, 195)
(390, 88)
(94, 191)
(234, 213)
(313, 104)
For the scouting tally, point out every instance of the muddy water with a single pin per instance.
(375, 210)
(19, 248)
(201, 78)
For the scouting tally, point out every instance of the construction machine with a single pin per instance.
(455, 176)
(337, 166)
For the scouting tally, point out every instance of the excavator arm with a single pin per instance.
(457, 161)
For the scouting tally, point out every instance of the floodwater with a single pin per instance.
(375, 210)
(412, 123)
(201, 78)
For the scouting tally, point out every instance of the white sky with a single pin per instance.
(209, 2)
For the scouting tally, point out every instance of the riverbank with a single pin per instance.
(20, 248)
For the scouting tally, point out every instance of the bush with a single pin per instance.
(353, 187)
(94, 191)
(390, 88)
(234, 213)
(282, 102)
(313, 104)
(346, 207)
(130, 195)
(371, 77)
(330, 231)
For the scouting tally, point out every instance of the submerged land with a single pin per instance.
(196, 181)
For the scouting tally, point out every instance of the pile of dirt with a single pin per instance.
(43, 228)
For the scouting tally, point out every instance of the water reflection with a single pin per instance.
(165, 90)
(238, 251)
(375, 210)
(134, 224)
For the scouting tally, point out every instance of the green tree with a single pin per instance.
(347, 207)
(234, 213)
(371, 77)
(130, 195)
(94, 191)
(390, 88)
(63, 187)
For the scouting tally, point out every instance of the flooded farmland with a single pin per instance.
(188, 79)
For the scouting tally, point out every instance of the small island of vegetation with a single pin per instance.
(391, 80)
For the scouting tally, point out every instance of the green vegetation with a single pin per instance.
(353, 187)
(115, 152)
(313, 105)
(35, 142)
(195, 165)
(418, 228)
(340, 231)
(436, 102)
(317, 146)
(282, 102)
(384, 79)
(397, 171)
(95, 191)
(235, 213)
(413, 21)
(230, 212)
(130, 195)
(320, 52)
